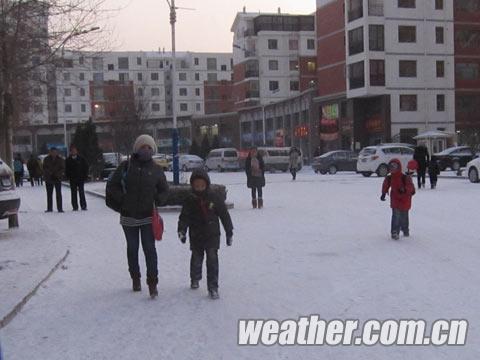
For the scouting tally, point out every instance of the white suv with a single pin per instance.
(375, 159)
(473, 170)
(9, 198)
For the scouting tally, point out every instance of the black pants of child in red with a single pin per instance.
(196, 264)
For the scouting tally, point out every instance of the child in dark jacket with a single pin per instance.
(433, 172)
(200, 214)
(401, 191)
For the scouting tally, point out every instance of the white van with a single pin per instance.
(223, 159)
(278, 158)
(375, 159)
(9, 198)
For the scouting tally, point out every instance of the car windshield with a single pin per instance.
(368, 151)
(230, 154)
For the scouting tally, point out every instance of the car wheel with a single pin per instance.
(456, 165)
(323, 172)
(332, 170)
(382, 170)
(367, 174)
(13, 221)
(473, 175)
(316, 171)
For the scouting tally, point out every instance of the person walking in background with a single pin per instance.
(18, 170)
(136, 187)
(255, 170)
(401, 191)
(293, 162)
(53, 171)
(422, 157)
(76, 171)
(39, 178)
(33, 169)
(200, 215)
(433, 171)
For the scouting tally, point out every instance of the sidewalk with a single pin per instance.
(27, 256)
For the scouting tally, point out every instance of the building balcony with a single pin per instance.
(252, 94)
(249, 32)
(356, 83)
(251, 74)
(355, 14)
(375, 7)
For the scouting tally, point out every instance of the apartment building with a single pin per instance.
(395, 63)
(274, 57)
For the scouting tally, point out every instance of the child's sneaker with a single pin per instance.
(194, 284)
(213, 294)
(395, 237)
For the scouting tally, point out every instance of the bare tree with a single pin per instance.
(33, 34)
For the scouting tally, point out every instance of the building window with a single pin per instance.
(311, 44)
(273, 65)
(467, 71)
(123, 77)
(438, 4)
(38, 108)
(355, 41)
(83, 108)
(273, 85)
(196, 61)
(66, 76)
(182, 76)
(139, 77)
(139, 61)
(81, 60)
(97, 77)
(37, 92)
(407, 68)
(293, 44)
(377, 72)
(110, 67)
(82, 92)
(211, 64)
(408, 102)
(182, 91)
(440, 69)
(155, 91)
(376, 37)
(272, 44)
(154, 76)
(81, 76)
(123, 63)
(294, 85)
(439, 37)
(375, 7)
(407, 34)
(140, 92)
(197, 77)
(311, 66)
(198, 107)
(356, 75)
(97, 63)
(223, 68)
(410, 4)
(212, 77)
(440, 102)
(355, 9)
(293, 65)
(68, 108)
(197, 92)
(183, 107)
(67, 92)
(155, 107)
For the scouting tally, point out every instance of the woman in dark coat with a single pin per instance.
(136, 186)
(255, 170)
(422, 157)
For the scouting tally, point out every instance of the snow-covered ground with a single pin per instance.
(320, 246)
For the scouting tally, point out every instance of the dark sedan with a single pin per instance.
(333, 161)
(455, 157)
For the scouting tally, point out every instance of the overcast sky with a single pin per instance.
(144, 24)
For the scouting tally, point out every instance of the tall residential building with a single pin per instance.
(274, 57)
(385, 70)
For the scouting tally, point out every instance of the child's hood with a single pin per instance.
(200, 174)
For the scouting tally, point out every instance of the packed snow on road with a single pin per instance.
(321, 245)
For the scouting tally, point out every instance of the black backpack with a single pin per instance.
(110, 200)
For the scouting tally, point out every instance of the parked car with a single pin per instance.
(473, 170)
(278, 158)
(190, 162)
(333, 161)
(162, 160)
(9, 199)
(455, 157)
(110, 162)
(222, 159)
(375, 159)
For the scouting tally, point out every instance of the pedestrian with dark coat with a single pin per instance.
(53, 172)
(401, 190)
(255, 170)
(137, 186)
(76, 171)
(34, 170)
(201, 214)
(433, 171)
(422, 157)
(18, 170)
(294, 154)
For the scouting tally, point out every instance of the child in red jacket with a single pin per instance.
(401, 191)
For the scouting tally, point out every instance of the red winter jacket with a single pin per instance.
(401, 188)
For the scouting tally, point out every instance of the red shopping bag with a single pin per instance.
(157, 224)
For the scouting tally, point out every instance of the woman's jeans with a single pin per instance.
(132, 234)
